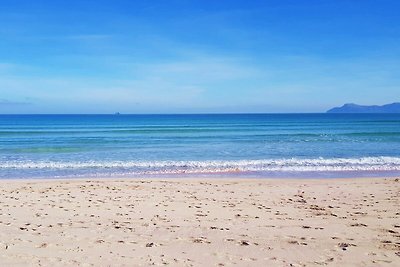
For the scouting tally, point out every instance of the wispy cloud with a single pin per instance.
(7, 67)
(200, 81)
(203, 68)
(89, 37)
(6, 102)
(188, 77)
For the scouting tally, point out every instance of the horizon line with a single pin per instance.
(212, 113)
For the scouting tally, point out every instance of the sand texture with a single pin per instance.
(192, 222)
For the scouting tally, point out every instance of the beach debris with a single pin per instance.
(344, 246)
(149, 245)
(43, 245)
(201, 239)
(358, 224)
(244, 243)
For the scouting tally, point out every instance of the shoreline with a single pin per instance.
(226, 175)
(252, 168)
(200, 222)
(195, 178)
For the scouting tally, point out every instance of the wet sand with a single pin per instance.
(192, 222)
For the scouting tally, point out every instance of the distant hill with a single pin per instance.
(354, 108)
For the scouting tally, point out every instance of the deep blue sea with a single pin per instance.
(243, 145)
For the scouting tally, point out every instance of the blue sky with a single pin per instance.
(182, 56)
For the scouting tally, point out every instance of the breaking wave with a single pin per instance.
(215, 166)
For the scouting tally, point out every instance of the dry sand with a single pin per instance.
(189, 222)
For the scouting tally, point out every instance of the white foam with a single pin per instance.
(293, 164)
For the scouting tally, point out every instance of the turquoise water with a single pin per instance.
(300, 145)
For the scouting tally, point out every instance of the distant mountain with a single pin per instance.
(354, 108)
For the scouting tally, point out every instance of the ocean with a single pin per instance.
(212, 145)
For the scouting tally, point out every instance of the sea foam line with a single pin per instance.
(293, 164)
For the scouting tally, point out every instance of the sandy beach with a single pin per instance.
(193, 222)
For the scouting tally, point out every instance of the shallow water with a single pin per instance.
(251, 145)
